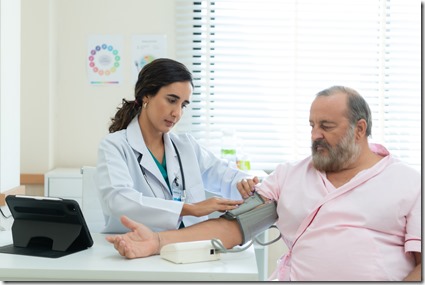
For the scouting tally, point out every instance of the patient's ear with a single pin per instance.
(360, 130)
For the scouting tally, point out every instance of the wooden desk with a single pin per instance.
(102, 263)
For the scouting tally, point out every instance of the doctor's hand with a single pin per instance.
(139, 242)
(246, 186)
(209, 206)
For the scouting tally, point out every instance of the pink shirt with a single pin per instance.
(361, 231)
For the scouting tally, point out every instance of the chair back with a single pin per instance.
(92, 210)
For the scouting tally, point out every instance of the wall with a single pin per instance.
(35, 97)
(63, 118)
(10, 47)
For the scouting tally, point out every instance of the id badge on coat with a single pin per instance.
(178, 194)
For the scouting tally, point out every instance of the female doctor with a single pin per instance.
(151, 175)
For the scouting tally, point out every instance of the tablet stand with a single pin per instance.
(59, 235)
(47, 227)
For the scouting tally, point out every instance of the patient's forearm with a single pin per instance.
(227, 231)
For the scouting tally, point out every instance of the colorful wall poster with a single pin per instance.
(145, 49)
(104, 59)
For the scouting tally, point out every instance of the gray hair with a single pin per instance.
(357, 105)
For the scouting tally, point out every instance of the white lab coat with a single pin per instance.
(123, 189)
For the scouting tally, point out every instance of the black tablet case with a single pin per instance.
(46, 227)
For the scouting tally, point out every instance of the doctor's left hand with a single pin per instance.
(139, 242)
(209, 206)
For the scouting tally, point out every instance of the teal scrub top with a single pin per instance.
(163, 168)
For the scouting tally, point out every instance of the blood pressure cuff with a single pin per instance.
(254, 216)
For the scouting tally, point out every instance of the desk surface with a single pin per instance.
(102, 263)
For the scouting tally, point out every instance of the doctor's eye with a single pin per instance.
(172, 100)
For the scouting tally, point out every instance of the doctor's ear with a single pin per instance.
(145, 101)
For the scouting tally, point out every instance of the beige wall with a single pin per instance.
(34, 86)
(10, 47)
(63, 118)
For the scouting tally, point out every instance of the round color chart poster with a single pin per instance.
(104, 62)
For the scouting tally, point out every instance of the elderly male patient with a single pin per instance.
(349, 212)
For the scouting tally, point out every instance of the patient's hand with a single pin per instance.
(246, 186)
(139, 242)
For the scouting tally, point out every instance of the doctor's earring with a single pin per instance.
(144, 105)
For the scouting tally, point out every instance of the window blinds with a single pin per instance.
(257, 66)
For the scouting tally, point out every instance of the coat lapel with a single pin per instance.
(173, 167)
(136, 141)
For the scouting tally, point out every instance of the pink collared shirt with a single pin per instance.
(364, 230)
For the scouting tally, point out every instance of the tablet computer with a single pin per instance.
(46, 226)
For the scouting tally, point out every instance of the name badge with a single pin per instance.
(178, 194)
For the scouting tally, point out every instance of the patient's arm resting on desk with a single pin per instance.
(234, 228)
(142, 242)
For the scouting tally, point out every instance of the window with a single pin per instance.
(258, 65)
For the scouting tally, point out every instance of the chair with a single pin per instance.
(91, 207)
